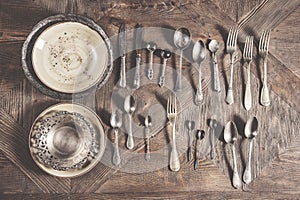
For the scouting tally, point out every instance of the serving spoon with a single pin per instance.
(116, 123)
(148, 124)
(199, 55)
(129, 107)
(213, 46)
(182, 39)
(251, 128)
(230, 136)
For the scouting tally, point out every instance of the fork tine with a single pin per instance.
(261, 41)
(229, 37)
(268, 40)
(168, 106)
(175, 107)
(265, 40)
(235, 37)
(245, 48)
(251, 46)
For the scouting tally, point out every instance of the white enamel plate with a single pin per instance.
(69, 57)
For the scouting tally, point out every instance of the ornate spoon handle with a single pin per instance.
(150, 70)
(199, 94)
(217, 86)
(236, 181)
(130, 142)
(162, 77)
(247, 177)
(116, 156)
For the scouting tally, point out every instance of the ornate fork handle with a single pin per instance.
(229, 98)
(265, 97)
(174, 158)
(248, 96)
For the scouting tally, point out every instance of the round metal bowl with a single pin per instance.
(59, 71)
(67, 140)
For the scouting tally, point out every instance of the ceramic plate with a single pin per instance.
(67, 140)
(66, 55)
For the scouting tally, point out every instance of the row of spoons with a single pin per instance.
(230, 137)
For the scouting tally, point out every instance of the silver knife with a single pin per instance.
(138, 46)
(122, 46)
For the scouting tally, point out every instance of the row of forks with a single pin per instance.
(231, 46)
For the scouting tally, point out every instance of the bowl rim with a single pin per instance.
(34, 34)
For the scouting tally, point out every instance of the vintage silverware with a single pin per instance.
(190, 126)
(165, 54)
(213, 48)
(122, 46)
(148, 124)
(172, 114)
(199, 54)
(151, 47)
(231, 48)
(247, 55)
(116, 123)
(138, 47)
(230, 136)
(199, 135)
(213, 125)
(250, 132)
(263, 51)
(182, 39)
(129, 107)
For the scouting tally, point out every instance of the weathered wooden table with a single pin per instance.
(277, 147)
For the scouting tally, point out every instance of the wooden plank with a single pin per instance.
(283, 43)
(15, 147)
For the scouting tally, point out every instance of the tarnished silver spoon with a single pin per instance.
(230, 136)
(148, 124)
(165, 54)
(116, 123)
(199, 54)
(213, 46)
(182, 39)
(129, 107)
(250, 132)
(151, 47)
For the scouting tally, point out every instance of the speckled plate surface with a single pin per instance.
(67, 140)
(67, 56)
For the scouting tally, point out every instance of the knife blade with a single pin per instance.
(138, 47)
(122, 50)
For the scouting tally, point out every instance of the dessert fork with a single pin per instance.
(247, 56)
(231, 48)
(263, 51)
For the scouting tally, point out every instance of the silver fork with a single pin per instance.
(247, 56)
(172, 114)
(263, 51)
(231, 48)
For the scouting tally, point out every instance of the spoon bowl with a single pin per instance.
(199, 53)
(230, 132)
(129, 104)
(251, 127)
(116, 120)
(182, 38)
(166, 54)
(151, 46)
(148, 121)
(213, 46)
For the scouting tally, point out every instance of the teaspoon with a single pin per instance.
(230, 136)
(129, 107)
(199, 55)
(116, 123)
(151, 47)
(148, 124)
(213, 47)
(190, 126)
(165, 54)
(182, 39)
(199, 135)
(250, 132)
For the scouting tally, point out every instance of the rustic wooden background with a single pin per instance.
(277, 147)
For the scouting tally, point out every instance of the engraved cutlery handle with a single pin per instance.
(162, 77)
(174, 158)
(229, 97)
(217, 86)
(265, 97)
(147, 156)
(179, 75)
(136, 82)
(116, 156)
(150, 70)
(199, 94)
(236, 180)
(123, 73)
(130, 142)
(247, 177)
(248, 96)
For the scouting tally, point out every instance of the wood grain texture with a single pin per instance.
(276, 148)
